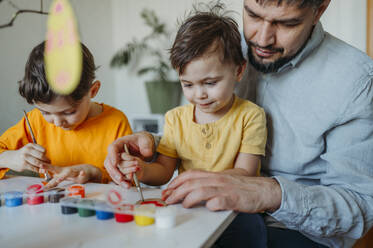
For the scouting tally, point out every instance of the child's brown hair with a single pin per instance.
(35, 88)
(203, 29)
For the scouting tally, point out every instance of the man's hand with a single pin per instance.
(224, 192)
(140, 144)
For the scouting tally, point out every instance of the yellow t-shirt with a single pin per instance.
(214, 146)
(86, 144)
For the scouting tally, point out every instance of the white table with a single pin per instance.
(44, 225)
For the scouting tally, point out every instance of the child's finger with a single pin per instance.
(51, 168)
(127, 157)
(38, 152)
(33, 161)
(38, 148)
(82, 177)
(128, 170)
(51, 184)
(30, 167)
(125, 184)
(60, 177)
(125, 164)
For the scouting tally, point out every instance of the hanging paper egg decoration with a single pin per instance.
(63, 55)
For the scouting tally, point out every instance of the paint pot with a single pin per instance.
(76, 190)
(35, 194)
(156, 201)
(55, 195)
(86, 212)
(13, 198)
(125, 213)
(102, 214)
(65, 208)
(165, 217)
(144, 214)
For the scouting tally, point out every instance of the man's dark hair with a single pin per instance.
(200, 31)
(35, 88)
(300, 3)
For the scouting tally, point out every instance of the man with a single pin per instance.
(317, 92)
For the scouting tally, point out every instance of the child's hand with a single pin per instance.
(77, 173)
(30, 157)
(129, 165)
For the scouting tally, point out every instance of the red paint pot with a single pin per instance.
(35, 194)
(156, 202)
(125, 213)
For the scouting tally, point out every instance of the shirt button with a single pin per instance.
(208, 146)
(203, 131)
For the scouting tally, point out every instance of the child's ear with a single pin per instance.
(94, 88)
(240, 71)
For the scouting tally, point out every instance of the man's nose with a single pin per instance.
(266, 35)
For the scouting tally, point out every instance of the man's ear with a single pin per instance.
(94, 88)
(240, 71)
(320, 10)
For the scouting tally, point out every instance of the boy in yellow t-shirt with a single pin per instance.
(72, 132)
(218, 131)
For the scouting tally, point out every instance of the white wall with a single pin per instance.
(346, 20)
(130, 94)
(105, 26)
(16, 42)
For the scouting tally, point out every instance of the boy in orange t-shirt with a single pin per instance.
(72, 132)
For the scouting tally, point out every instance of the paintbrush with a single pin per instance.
(137, 184)
(46, 174)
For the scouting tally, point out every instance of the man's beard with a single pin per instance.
(267, 67)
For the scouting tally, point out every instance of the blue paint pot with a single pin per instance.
(101, 214)
(13, 198)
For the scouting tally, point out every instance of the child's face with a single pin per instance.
(63, 114)
(208, 83)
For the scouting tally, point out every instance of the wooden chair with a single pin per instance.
(366, 241)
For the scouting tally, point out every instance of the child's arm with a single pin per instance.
(246, 164)
(157, 173)
(29, 157)
(82, 173)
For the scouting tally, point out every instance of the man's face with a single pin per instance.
(276, 33)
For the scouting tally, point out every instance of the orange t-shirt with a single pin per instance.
(86, 144)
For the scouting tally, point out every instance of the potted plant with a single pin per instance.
(163, 92)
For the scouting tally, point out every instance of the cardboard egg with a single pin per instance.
(63, 54)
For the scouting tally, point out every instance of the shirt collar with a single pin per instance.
(316, 38)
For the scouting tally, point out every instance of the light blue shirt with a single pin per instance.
(319, 109)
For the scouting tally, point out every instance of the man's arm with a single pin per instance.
(342, 204)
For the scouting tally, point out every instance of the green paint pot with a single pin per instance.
(86, 212)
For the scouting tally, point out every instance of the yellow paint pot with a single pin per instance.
(144, 214)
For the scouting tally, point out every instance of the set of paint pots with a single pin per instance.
(72, 200)
(144, 214)
(33, 195)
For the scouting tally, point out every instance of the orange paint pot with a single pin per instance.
(76, 190)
